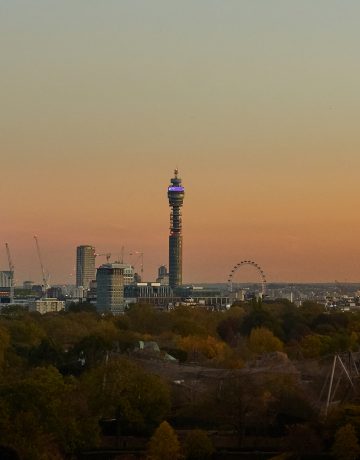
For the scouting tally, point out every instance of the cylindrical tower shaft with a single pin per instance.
(176, 197)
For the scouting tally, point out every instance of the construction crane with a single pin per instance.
(107, 255)
(120, 257)
(45, 276)
(12, 272)
(11, 266)
(141, 258)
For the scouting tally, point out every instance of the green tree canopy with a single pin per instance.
(260, 315)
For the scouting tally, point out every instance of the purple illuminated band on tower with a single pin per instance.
(176, 189)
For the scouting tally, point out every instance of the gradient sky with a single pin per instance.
(256, 101)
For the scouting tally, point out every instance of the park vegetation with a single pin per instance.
(64, 376)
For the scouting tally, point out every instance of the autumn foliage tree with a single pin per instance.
(262, 340)
(346, 445)
(199, 348)
(164, 444)
(198, 445)
(119, 389)
(35, 421)
(4, 344)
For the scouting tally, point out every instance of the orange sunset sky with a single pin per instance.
(256, 101)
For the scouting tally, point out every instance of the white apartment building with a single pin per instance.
(47, 305)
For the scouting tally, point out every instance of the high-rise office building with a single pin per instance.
(176, 198)
(85, 266)
(129, 273)
(110, 288)
(163, 275)
(162, 271)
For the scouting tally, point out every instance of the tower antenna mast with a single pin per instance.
(12, 273)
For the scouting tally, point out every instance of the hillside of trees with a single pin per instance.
(63, 376)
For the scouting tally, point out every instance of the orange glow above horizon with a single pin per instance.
(257, 105)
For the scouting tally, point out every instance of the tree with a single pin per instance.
(198, 446)
(312, 346)
(262, 340)
(4, 343)
(121, 390)
(343, 415)
(290, 404)
(144, 319)
(302, 440)
(243, 404)
(293, 324)
(185, 327)
(93, 348)
(48, 352)
(346, 446)
(310, 311)
(207, 320)
(260, 316)
(25, 332)
(203, 347)
(14, 310)
(164, 444)
(229, 329)
(43, 415)
(77, 307)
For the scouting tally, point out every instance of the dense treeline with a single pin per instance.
(63, 373)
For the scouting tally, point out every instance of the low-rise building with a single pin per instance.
(151, 293)
(28, 285)
(47, 305)
(5, 278)
(6, 287)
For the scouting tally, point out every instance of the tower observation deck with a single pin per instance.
(176, 197)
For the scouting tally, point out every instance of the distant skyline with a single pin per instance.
(256, 102)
